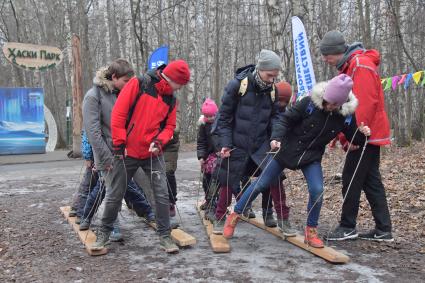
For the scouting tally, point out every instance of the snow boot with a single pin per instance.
(218, 225)
(230, 225)
(269, 220)
(312, 238)
(285, 228)
(102, 240)
(168, 245)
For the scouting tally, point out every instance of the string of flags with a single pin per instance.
(405, 80)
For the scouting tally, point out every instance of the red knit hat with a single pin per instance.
(209, 107)
(178, 71)
(284, 91)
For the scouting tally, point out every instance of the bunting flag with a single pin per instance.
(407, 81)
(404, 79)
(417, 76)
(389, 83)
(395, 80)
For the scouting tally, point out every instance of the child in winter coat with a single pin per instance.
(301, 137)
(206, 150)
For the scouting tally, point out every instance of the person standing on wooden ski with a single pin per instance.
(362, 66)
(249, 112)
(206, 152)
(97, 107)
(142, 122)
(301, 137)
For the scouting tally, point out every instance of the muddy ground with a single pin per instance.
(38, 245)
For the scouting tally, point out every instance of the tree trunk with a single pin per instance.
(77, 97)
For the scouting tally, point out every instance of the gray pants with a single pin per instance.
(116, 185)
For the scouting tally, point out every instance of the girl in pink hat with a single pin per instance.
(206, 150)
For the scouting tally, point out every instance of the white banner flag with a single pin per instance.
(303, 66)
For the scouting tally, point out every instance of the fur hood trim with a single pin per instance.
(101, 81)
(346, 109)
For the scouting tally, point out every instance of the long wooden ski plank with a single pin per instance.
(180, 237)
(219, 244)
(86, 237)
(326, 253)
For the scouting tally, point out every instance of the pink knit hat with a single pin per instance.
(338, 89)
(209, 107)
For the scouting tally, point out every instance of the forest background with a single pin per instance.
(215, 37)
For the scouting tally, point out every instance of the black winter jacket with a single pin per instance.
(244, 124)
(306, 129)
(205, 145)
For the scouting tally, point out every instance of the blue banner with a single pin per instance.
(302, 58)
(22, 128)
(158, 57)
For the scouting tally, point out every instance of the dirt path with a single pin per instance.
(37, 245)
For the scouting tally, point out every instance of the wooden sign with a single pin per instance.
(32, 57)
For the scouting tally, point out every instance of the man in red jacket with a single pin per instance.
(142, 122)
(362, 65)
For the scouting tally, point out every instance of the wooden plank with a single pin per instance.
(326, 253)
(219, 244)
(86, 237)
(180, 237)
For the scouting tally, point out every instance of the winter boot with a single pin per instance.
(150, 217)
(230, 225)
(116, 235)
(167, 244)
(85, 225)
(269, 220)
(72, 212)
(285, 228)
(218, 225)
(249, 213)
(102, 240)
(312, 237)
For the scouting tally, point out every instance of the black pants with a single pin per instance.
(172, 186)
(368, 179)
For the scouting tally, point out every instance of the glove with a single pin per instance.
(119, 151)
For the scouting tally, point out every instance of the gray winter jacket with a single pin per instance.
(97, 108)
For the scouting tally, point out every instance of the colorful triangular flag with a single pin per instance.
(394, 82)
(388, 84)
(407, 81)
(417, 76)
(403, 78)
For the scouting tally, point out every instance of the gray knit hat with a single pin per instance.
(268, 60)
(332, 43)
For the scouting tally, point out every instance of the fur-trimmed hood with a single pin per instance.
(346, 109)
(100, 80)
(201, 120)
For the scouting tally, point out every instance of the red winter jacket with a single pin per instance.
(144, 126)
(362, 66)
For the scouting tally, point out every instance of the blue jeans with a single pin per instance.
(314, 176)
(134, 198)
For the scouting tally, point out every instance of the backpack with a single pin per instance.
(144, 84)
(244, 86)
